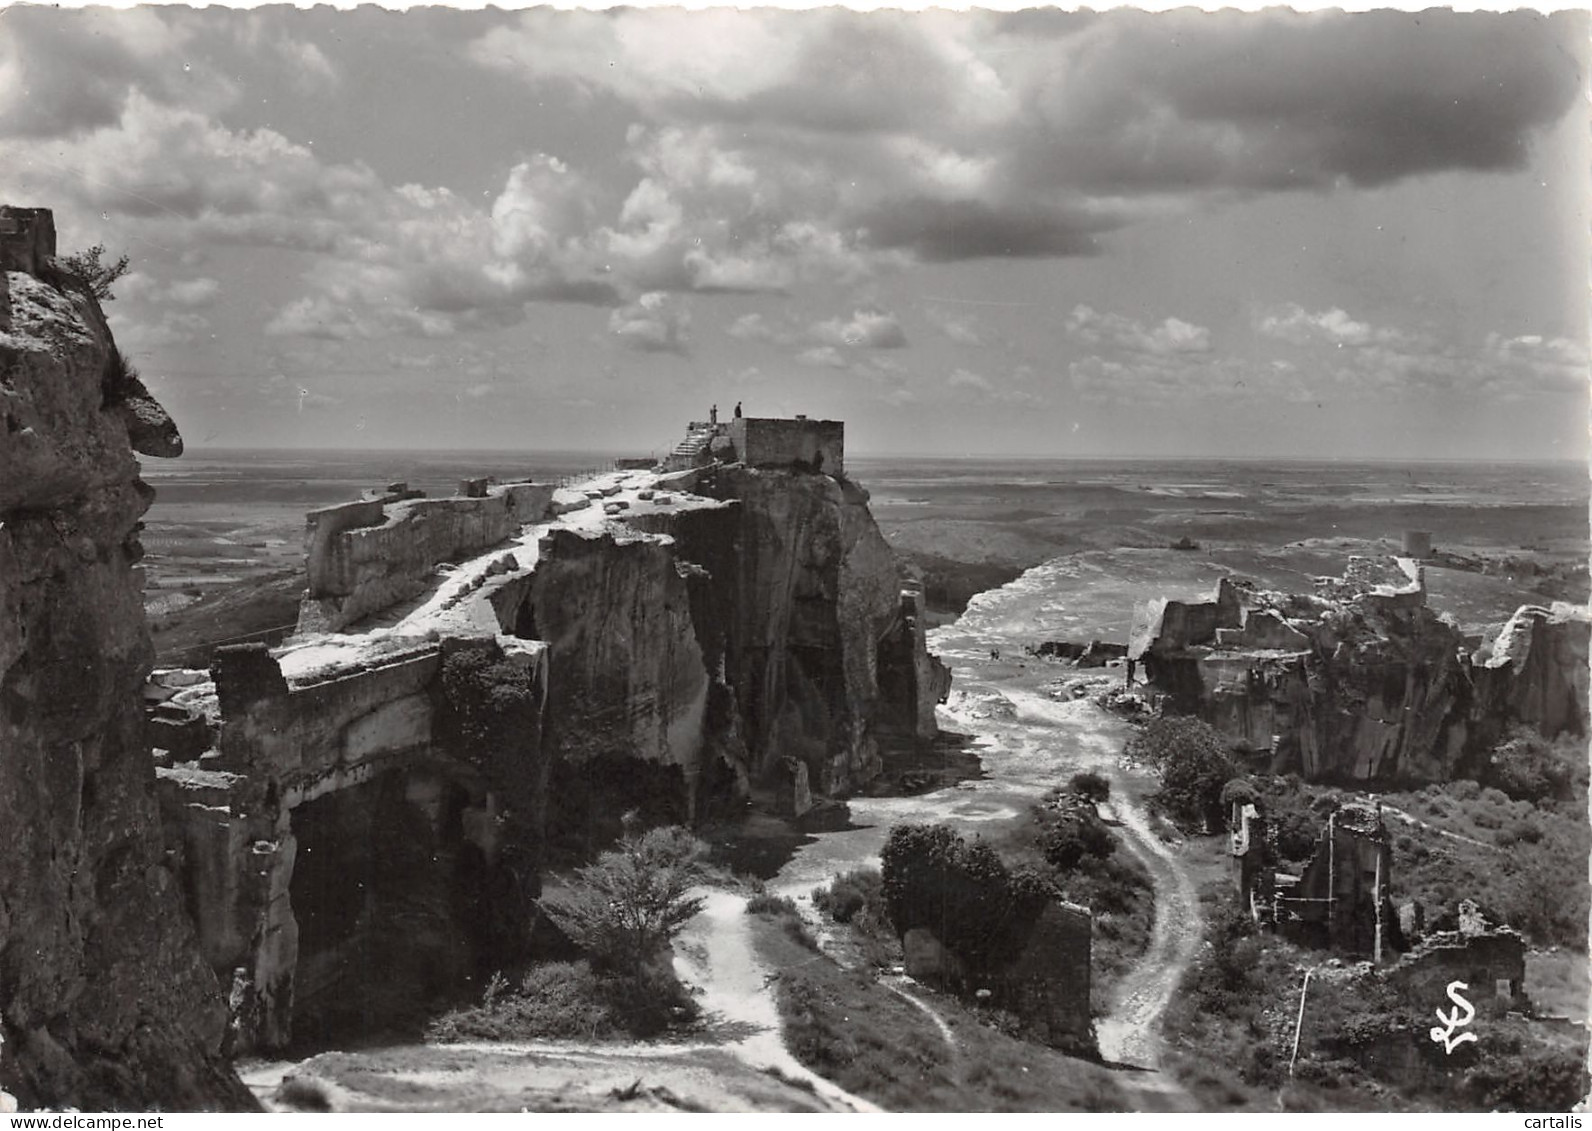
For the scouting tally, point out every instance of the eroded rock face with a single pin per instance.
(1362, 682)
(104, 1001)
(805, 594)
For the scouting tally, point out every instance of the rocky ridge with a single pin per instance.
(1362, 681)
(104, 1001)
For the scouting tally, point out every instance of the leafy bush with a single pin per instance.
(625, 909)
(848, 894)
(1239, 791)
(782, 908)
(1091, 786)
(1074, 836)
(978, 908)
(1534, 1080)
(856, 899)
(1528, 767)
(1194, 762)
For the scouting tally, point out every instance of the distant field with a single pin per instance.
(228, 524)
(1278, 524)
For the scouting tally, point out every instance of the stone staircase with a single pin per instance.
(688, 452)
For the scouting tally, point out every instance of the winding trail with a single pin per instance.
(1129, 1034)
(715, 953)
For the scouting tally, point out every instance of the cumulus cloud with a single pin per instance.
(1363, 359)
(135, 335)
(827, 357)
(1293, 323)
(654, 323)
(962, 330)
(866, 329)
(946, 136)
(140, 287)
(1170, 336)
(756, 328)
(770, 148)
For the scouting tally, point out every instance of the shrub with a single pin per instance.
(771, 906)
(1193, 760)
(1527, 767)
(1091, 786)
(554, 1000)
(857, 900)
(1540, 1080)
(978, 908)
(1075, 835)
(848, 894)
(1239, 791)
(625, 909)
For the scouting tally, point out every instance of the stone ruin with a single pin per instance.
(1361, 681)
(1342, 902)
(760, 441)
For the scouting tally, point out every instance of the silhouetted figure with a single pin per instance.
(713, 415)
(737, 410)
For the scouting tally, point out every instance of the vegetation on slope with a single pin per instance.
(623, 911)
(848, 1028)
(1230, 1032)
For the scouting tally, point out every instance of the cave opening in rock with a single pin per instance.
(393, 904)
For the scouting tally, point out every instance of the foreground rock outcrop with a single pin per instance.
(1362, 681)
(104, 999)
(488, 684)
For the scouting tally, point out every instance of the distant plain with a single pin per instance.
(224, 538)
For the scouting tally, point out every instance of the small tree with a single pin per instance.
(1193, 761)
(627, 907)
(89, 270)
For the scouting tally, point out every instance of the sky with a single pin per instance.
(1358, 235)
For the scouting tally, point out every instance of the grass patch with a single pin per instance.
(856, 900)
(782, 909)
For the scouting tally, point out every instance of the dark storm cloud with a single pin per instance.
(1284, 100)
(948, 230)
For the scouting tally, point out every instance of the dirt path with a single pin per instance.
(1411, 819)
(1128, 1035)
(715, 954)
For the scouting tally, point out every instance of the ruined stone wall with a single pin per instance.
(818, 445)
(1048, 985)
(1538, 671)
(374, 733)
(357, 567)
(105, 1001)
(1492, 964)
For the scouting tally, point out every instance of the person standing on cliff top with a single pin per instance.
(713, 415)
(737, 410)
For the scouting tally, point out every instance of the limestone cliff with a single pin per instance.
(1362, 681)
(104, 1001)
(365, 807)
